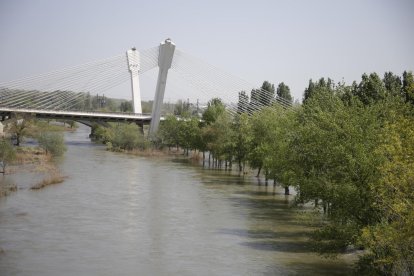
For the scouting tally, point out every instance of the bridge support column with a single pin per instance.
(134, 67)
(165, 57)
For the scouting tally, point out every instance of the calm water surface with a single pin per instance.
(123, 215)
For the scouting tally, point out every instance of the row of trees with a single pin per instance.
(266, 95)
(348, 150)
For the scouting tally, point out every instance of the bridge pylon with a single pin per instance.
(133, 59)
(165, 57)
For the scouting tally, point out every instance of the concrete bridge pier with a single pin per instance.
(165, 57)
(134, 67)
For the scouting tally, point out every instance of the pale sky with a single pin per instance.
(290, 41)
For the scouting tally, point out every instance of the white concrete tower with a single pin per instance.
(165, 57)
(134, 67)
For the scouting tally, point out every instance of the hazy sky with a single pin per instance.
(290, 41)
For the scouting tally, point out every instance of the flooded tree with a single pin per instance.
(7, 154)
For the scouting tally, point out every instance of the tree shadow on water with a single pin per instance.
(264, 234)
(295, 241)
(280, 246)
(270, 209)
(289, 242)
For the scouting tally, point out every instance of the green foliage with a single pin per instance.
(147, 106)
(358, 159)
(283, 91)
(215, 108)
(19, 128)
(333, 159)
(277, 161)
(408, 87)
(182, 108)
(315, 87)
(52, 142)
(220, 136)
(393, 84)
(103, 134)
(168, 131)
(189, 132)
(7, 153)
(128, 137)
(348, 149)
(243, 103)
(391, 241)
(371, 89)
(263, 96)
(262, 131)
(243, 139)
(71, 123)
(126, 106)
(328, 238)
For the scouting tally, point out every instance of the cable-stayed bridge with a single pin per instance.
(67, 93)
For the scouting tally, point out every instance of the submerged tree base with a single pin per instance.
(34, 160)
(6, 189)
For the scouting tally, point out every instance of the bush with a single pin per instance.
(52, 142)
(102, 134)
(7, 153)
(129, 137)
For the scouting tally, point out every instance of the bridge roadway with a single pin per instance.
(80, 116)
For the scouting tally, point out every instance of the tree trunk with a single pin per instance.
(287, 190)
(258, 173)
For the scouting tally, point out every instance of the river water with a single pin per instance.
(117, 214)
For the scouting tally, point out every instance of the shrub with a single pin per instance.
(129, 137)
(7, 153)
(52, 142)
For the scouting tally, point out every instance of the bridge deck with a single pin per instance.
(80, 115)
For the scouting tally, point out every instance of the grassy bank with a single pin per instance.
(15, 158)
(32, 160)
(53, 178)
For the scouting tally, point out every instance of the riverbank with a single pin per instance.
(31, 160)
(37, 156)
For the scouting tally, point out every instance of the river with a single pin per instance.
(117, 214)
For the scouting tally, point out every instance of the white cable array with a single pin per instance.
(212, 82)
(66, 88)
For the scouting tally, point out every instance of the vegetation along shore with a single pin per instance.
(347, 149)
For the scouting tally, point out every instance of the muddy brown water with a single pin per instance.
(125, 215)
